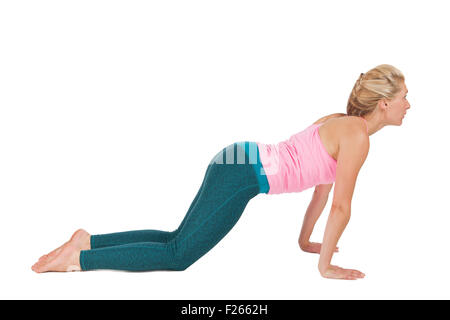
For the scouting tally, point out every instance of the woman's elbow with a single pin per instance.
(341, 210)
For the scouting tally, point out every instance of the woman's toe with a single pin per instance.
(45, 256)
(36, 267)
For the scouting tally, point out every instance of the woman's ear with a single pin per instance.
(382, 104)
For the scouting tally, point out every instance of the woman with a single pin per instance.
(333, 149)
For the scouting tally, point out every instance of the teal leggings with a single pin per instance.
(233, 177)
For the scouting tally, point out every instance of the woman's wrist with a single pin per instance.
(303, 243)
(323, 268)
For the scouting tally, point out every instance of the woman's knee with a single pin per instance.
(182, 259)
(182, 264)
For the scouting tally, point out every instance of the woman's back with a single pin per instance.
(332, 128)
(307, 158)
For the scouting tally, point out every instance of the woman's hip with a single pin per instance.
(239, 164)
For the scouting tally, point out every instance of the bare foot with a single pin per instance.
(67, 256)
(80, 234)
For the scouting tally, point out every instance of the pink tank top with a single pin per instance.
(298, 163)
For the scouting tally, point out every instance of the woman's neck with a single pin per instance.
(374, 122)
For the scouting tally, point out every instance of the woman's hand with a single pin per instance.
(335, 272)
(313, 247)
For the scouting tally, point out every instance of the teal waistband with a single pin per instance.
(252, 151)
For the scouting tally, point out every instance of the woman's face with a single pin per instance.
(396, 108)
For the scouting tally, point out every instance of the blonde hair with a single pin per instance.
(383, 81)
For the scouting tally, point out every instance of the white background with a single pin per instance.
(111, 111)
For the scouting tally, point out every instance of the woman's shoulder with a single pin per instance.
(342, 130)
(340, 123)
(330, 116)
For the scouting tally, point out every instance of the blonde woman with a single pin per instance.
(331, 150)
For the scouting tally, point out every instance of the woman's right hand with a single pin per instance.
(335, 272)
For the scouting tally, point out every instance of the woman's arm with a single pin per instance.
(353, 150)
(315, 209)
